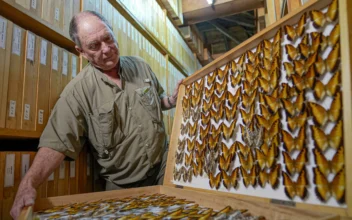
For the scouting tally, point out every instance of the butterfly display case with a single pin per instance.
(266, 127)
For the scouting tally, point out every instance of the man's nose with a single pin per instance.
(105, 48)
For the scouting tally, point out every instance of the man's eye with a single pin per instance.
(93, 46)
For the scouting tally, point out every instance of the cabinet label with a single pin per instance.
(16, 40)
(55, 58)
(26, 113)
(43, 51)
(64, 63)
(3, 28)
(12, 109)
(34, 4)
(10, 170)
(40, 116)
(30, 46)
(57, 14)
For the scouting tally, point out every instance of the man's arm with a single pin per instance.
(169, 102)
(45, 162)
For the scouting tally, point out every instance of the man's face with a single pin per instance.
(98, 44)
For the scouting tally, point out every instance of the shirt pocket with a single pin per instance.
(149, 100)
(106, 129)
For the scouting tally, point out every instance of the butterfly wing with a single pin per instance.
(318, 18)
(338, 186)
(301, 184)
(290, 188)
(274, 176)
(338, 160)
(332, 12)
(214, 181)
(321, 185)
(333, 60)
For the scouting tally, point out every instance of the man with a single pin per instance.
(114, 103)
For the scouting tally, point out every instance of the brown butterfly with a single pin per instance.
(223, 73)
(228, 131)
(250, 77)
(217, 114)
(272, 135)
(230, 180)
(209, 92)
(249, 88)
(224, 163)
(295, 165)
(293, 33)
(319, 18)
(306, 81)
(294, 143)
(265, 148)
(206, 105)
(179, 157)
(297, 121)
(247, 116)
(325, 189)
(292, 52)
(188, 159)
(289, 69)
(205, 119)
(329, 166)
(319, 42)
(219, 99)
(213, 142)
(271, 64)
(184, 128)
(181, 144)
(248, 100)
(201, 146)
(298, 188)
(187, 174)
(333, 60)
(232, 99)
(192, 129)
(189, 90)
(277, 37)
(177, 174)
(211, 78)
(185, 103)
(266, 160)
(267, 122)
(249, 178)
(333, 139)
(296, 107)
(199, 85)
(250, 68)
(228, 152)
(247, 163)
(220, 87)
(273, 103)
(334, 35)
(244, 150)
(287, 92)
(235, 80)
(271, 177)
(265, 112)
(197, 169)
(259, 49)
(330, 89)
(250, 56)
(322, 116)
(240, 63)
(195, 99)
(203, 132)
(270, 84)
(195, 114)
(230, 112)
(214, 181)
(214, 132)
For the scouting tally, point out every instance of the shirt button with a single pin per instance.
(129, 108)
(147, 145)
(106, 151)
(139, 126)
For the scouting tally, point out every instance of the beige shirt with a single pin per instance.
(124, 126)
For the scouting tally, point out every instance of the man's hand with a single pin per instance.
(173, 97)
(25, 196)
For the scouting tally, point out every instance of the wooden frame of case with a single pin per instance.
(256, 205)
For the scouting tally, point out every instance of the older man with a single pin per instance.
(115, 104)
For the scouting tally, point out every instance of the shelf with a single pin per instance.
(6, 133)
(32, 22)
(147, 34)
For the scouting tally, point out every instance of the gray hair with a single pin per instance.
(74, 24)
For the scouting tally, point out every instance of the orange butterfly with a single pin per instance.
(201, 146)
(204, 132)
(228, 152)
(330, 89)
(248, 100)
(292, 52)
(273, 103)
(267, 122)
(250, 77)
(192, 129)
(271, 64)
(233, 99)
(257, 61)
(287, 92)
(270, 84)
(329, 166)
(319, 18)
(197, 169)
(213, 142)
(230, 112)
(195, 99)
(214, 181)
(244, 150)
(305, 39)
(305, 50)
(211, 78)
(206, 105)
(250, 68)
(220, 87)
(235, 80)
(277, 37)
(233, 67)
(294, 33)
(189, 90)
(240, 63)
(325, 189)
(272, 135)
(250, 56)
(259, 49)
(289, 69)
(265, 112)
(217, 115)
(224, 163)
(322, 116)
(334, 35)
(223, 73)
(265, 148)
(205, 119)
(249, 88)
(333, 139)
(272, 177)
(199, 85)
(294, 143)
(191, 145)
(296, 107)
(298, 188)
(185, 103)
(228, 131)
(295, 165)
(249, 178)
(230, 180)
(209, 92)
(297, 121)
(188, 159)
(247, 116)
(219, 99)
(319, 42)
(247, 163)
(179, 157)
(306, 81)
(266, 160)
(215, 131)
(195, 114)
(331, 64)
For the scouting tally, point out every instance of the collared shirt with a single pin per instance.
(124, 125)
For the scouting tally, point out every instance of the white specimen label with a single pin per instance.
(16, 40)
(57, 14)
(10, 170)
(24, 164)
(51, 177)
(27, 111)
(55, 58)
(74, 66)
(30, 46)
(62, 171)
(64, 63)
(3, 28)
(12, 109)
(43, 51)
(72, 169)
(40, 116)
(34, 4)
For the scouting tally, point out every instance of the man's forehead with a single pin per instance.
(88, 27)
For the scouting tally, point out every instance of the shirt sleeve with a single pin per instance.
(159, 88)
(65, 129)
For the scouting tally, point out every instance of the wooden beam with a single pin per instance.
(240, 23)
(224, 31)
(270, 16)
(219, 9)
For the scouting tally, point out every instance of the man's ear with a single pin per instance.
(80, 51)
